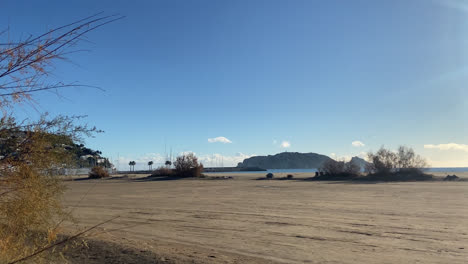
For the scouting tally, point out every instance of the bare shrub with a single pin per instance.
(352, 168)
(30, 209)
(98, 173)
(385, 161)
(407, 159)
(333, 167)
(187, 166)
(162, 171)
(402, 165)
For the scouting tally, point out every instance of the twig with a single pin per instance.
(62, 241)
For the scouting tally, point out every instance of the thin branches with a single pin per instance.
(25, 65)
(68, 239)
(30, 196)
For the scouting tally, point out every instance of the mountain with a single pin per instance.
(293, 160)
(286, 160)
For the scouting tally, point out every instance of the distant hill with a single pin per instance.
(292, 160)
(286, 160)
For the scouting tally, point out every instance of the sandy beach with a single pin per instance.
(243, 220)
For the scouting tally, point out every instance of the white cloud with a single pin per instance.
(448, 146)
(357, 144)
(285, 144)
(219, 139)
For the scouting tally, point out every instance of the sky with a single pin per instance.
(232, 79)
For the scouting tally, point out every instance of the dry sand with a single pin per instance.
(264, 221)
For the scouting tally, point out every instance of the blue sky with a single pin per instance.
(317, 75)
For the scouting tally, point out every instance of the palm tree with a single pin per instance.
(168, 163)
(150, 165)
(132, 165)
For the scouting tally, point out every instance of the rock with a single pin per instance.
(290, 176)
(269, 176)
(286, 160)
(451, 178)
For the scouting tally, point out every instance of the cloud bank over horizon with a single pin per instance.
(208, 160)
(448, 146)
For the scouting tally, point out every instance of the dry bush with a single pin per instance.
(98, 172)
(338, 170)
(30, 209)
(162, 171)
(385, 161)
(333, 167)
(188, 166)
(402, 165)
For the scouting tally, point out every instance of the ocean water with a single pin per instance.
(292, 171)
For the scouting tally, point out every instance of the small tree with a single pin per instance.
(385, 161)
(333, 167)
(168, 163)
(342, 168)
(188, 166)
(407, 159)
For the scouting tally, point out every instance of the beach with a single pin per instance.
(244, 220)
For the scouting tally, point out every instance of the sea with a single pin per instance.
(292, 171)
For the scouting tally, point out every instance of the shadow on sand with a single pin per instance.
(159, 178)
